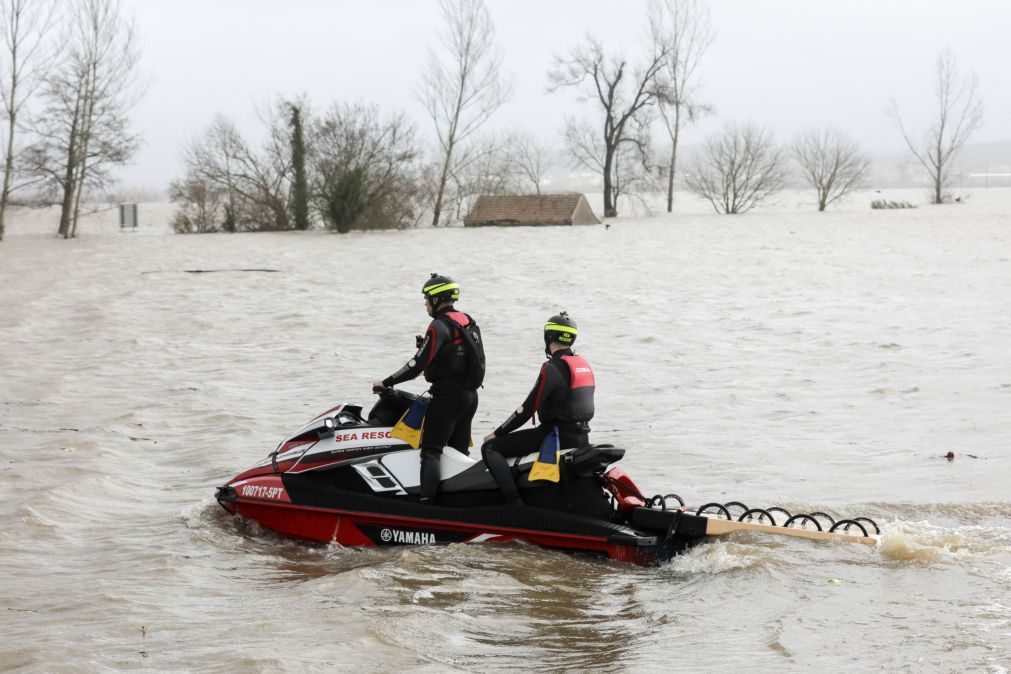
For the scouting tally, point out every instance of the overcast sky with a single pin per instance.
(787, 64)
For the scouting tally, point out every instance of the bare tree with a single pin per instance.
(464, 87)
(201, 205)
(623, 97)
(24, 26)
(528, 160)
(271, 168)
(585, 145)
(257, 184)
(83, 128)
(484, 168)
(365, 168)
(208, 196)
(630, 163)
(738, 168)
(684, 27)
(831, 163)
(959, 113)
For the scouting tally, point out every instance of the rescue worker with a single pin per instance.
(446, 357)
(562, 396)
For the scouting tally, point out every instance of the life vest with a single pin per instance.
(463, 358)
(581, 387)
(575, 403)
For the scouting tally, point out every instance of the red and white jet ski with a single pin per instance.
(342, 478)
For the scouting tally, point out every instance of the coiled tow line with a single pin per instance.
(822, 521)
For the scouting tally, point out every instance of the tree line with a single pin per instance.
(343, 168)
(69, 80)
(361, 171)
(351, 167)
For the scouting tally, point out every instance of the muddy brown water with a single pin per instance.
(802, 360)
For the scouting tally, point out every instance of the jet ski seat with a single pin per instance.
(592, 459)
(390, 407)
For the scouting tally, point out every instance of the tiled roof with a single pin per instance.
(525, 209)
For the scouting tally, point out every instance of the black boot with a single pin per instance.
(431, 475)
(499, 469)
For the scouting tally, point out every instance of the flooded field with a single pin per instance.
(811, 361)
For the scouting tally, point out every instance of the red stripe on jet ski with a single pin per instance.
(332, 409)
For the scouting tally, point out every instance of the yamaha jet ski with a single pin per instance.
(343, 478)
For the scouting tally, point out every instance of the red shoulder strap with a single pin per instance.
(458, 317)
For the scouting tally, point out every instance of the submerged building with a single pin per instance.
(530, 209)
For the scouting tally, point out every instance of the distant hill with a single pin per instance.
(977, 165)
(996, 154)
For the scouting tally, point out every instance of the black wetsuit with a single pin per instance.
(442, 357)
(560, 397)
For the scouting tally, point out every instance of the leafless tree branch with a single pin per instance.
(959, 112)
(464, 86)
(685, 27)
(528, 161)
(738, 169)
(831, 163)
(83, 128)
(28, 54)
(622, 98)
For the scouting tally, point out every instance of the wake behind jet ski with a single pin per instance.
(344, 478)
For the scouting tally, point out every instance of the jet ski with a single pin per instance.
(343, 478)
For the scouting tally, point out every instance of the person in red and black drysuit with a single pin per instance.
(443, 357)
(562, 396)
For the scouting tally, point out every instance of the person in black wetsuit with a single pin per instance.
(562, 396)
(442, 356)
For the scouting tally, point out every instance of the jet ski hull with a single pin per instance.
(348, 521)
(345, 479)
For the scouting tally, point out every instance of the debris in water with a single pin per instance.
(209, 271)
(834, 581)
(215, 271)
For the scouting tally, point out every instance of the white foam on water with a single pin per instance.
(715, 557)
(926, 542)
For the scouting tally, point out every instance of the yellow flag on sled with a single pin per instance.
(546, 465)
(410, 426)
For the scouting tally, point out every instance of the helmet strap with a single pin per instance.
(437, 303)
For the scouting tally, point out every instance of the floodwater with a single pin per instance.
(811, 361)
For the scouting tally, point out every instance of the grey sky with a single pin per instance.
(787, 64)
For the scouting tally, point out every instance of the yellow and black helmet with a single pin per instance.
(560, 328)
(440, 289)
